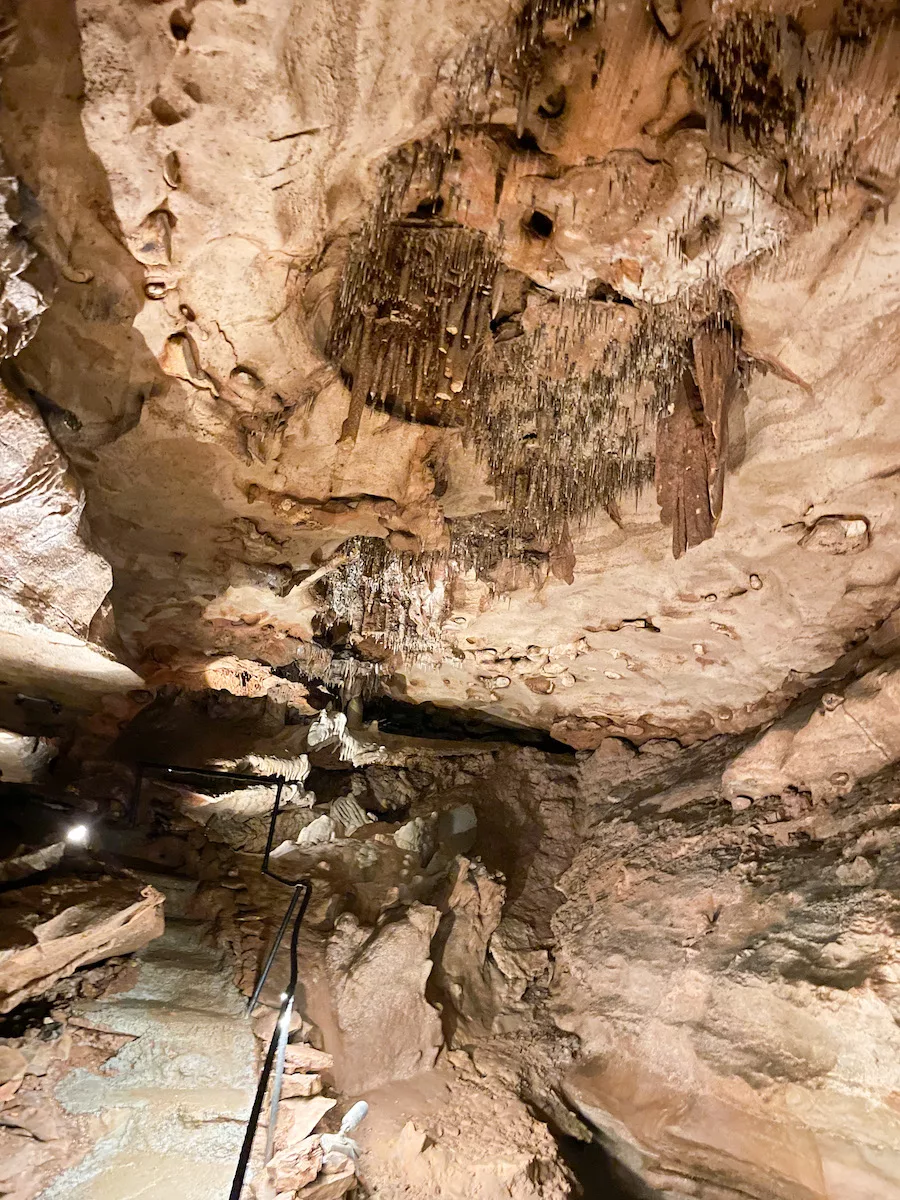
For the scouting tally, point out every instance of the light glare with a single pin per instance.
(78, 835)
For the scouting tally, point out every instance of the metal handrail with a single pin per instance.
(299, 902)
(142, 768)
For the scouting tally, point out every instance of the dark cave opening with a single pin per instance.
(598, 1174)
(429, 720)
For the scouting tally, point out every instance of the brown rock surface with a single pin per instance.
(849, 737)
(185, 368)
(297, 1119)
(50, 929)
(51, 583)
(292, 1169)
(534, 363)
(731, 978)
(386, 1030)
(329, 1187)
(480, 1142)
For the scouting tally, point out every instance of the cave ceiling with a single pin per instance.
(540, 363)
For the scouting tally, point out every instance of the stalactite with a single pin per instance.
(400, 602)
(565, 403)
(810, 97)
(563, 433)
(410, 315)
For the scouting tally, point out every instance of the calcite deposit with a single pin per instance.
(474, 424)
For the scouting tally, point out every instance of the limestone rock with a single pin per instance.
(718, 1019)
(21, 303)
(22, 759)
(26, 863)
(825, 752)
(410, 1143)
(288, 1170)
(416, 837)
(462, 970)
(317, 832)
(203, 400)
(468, 1138)
(295, 1167)
(350, 815)
(295, 1085)
(387, 1030)
(51, 929)
(13, 1065)
(301, 1058)
(329, 1187)
(837, 535)
(264, 1021)
(298, 1117)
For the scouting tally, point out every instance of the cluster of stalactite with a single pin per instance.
(563, 432)
(342, 671)
(414, 305)
(825, 100)
(564, 415)
(399, 602)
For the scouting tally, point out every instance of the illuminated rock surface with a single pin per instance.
(498, 403)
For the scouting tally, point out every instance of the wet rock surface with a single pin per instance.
(166, 1113)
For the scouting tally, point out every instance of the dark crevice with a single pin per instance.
(598, 1175)
(691, 121)
(431, 721)
(180, 24)
(554, 105)
(527, 141)
(605, 292)
(432, 207)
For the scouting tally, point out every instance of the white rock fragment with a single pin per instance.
(23, 758)
(318, 832)
(293, 769)
(350, 815)
(457, 828)
(415, 837)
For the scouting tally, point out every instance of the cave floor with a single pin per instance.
(175, 1100)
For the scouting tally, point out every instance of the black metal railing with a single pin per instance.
(273, 1064)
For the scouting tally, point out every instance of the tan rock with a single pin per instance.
(329, 1187)
(265, 1019)
(12, 1064)
(80, 922)
(387, 1028)
(410, 1143)
(462, 971)
(301, 1058)
(20, 1161)
(297, 1085)
(828, 750)
(295, 1166)
(33, 1119)
(297, 1118)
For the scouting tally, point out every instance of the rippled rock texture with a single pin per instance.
(732, 978)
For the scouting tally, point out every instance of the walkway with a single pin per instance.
(175, 1101)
